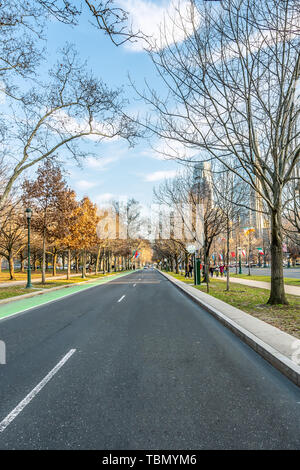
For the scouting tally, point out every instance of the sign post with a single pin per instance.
(197, 271)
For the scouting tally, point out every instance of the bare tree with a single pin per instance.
(114, 21)
(23, 25)
(291, 211)
(46, 196)
(230, 195)
(12, 233)
(72, 106)
(194, 203)
(231, 95)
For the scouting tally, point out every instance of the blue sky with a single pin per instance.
(117, 170)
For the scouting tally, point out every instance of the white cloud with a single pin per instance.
(160, 175)
(153, 17)
(84, 184)
(62, 122)
(99, 163)
(168, 149)
(104, 198)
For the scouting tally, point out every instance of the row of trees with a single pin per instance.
(67, 229)
(232, 98)
(40, 116)
(217, 200)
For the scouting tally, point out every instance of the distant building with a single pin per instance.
(202, 192)
(202, 188)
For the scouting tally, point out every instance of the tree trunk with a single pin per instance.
(103, 262)
(277, 294)
(236, 262)
(227, 256)
(11, 268)
(1, 264)
(22, 262)
(108, 262)
(249, 253)
(205, 262)
(54, 259)
(84, 264)
(97, 260)
(206, 268)
(69, 264)
(34, 262)
(44, 259)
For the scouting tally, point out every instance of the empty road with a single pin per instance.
(135, 364)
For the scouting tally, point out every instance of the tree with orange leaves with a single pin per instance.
(83, 231)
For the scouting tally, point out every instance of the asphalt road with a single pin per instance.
(287, 272)
(150, 370)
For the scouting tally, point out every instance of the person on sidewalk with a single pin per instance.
(190, 270)
(186, 271)
(222, 270)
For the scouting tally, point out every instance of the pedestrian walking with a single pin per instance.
(186, 271)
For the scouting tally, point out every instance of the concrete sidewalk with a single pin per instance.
(293, 290)
(277, 347)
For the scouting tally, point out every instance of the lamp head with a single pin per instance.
(28, 213)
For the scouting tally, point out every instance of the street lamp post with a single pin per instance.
(240, 263)
(240, 259)
(240, 253)
(28, 213)
(249, 252)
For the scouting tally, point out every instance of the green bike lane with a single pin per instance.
(19, 306)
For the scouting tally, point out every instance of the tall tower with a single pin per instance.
(202, 183)
(201, 195)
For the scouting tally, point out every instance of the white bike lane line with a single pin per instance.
(18, 307)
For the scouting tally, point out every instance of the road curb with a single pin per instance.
(274, 357)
